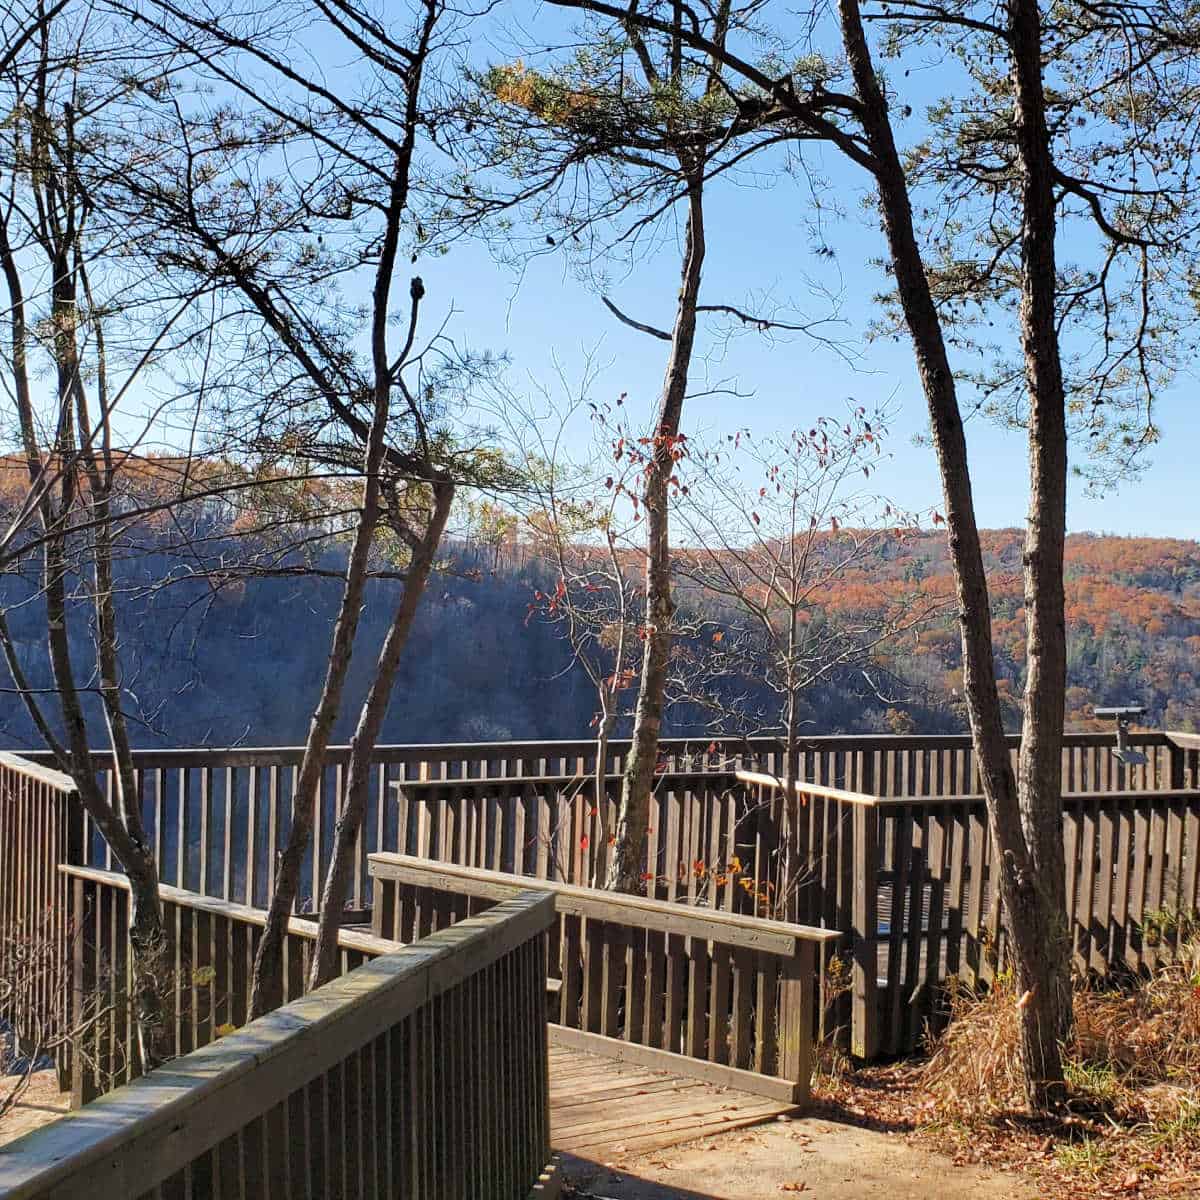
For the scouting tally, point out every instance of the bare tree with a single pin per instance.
(576, 522)
(87, 323)
(774, 526)
(621, 136)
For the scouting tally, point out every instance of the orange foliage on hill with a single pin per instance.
(1132, 609)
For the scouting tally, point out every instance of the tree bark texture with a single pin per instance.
(267, 991)
(627, 864)
(366, 734)
(1046, 977)
(1036, 956)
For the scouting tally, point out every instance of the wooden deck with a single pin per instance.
(603, 1110)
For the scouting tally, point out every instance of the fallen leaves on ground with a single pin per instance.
(1116, 1162)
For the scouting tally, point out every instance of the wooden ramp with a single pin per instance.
(603, 1109)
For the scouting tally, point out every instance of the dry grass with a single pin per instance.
(974, 1069)
(831, 1058)
(1135, 1051)
(1149, 1034)
(1132, 1071)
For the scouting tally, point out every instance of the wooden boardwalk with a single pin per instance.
(604, 1110)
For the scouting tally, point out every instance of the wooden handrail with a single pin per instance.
(348, 939)
(581, 777)
(708, 995)
(730, 929)
(572, 747)
(129, 1141)
(1068, 798)
(759, 779)
(23, 765)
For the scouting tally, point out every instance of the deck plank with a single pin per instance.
(603, 1109)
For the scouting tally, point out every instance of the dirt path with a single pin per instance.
(40, 1104)
(806, 1156)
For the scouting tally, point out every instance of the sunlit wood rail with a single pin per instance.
(422, 1073)
(710, 995)
(623, 1098)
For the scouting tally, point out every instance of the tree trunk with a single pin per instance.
(337, 881)
(267, 990)
(794, 865)
(600, 790)
(149, 941)
(625, 870)
(1047, 979)
(146, 933)
(1033, 945)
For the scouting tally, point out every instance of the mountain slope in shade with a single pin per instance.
(243, 664)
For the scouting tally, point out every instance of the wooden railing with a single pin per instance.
(218, 818)
(206, 985)
(708, 994)
(41, 825)
(421, 1073)
(1184, 767)
(912, 882)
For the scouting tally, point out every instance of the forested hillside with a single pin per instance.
(241, 663)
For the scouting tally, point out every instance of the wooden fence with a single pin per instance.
(41, 825)
(707, 994)
(421, 1073)
(218, 818)
(913, 883)
(207, 986)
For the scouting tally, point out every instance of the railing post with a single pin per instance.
(1177, 767)
(864, 1020)
(86, 1051)
(69, 926)
(796, 1001)
(70, 897)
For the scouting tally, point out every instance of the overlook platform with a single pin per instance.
(499, 1006)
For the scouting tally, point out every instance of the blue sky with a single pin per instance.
(760, 245)
(760, 242)
(546, 319)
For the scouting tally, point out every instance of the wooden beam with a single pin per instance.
(770, 1086)
(754, 933)
(36, 770)
(348, 939)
